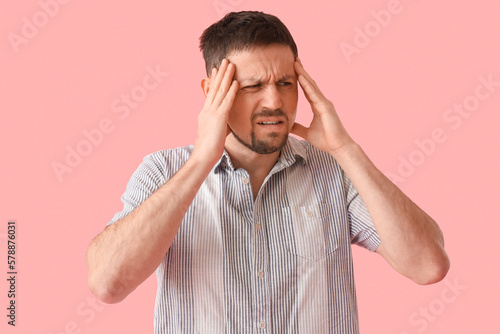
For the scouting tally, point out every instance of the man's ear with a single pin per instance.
(205, 85)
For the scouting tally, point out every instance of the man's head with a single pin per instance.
(240, 31)
(263, 52)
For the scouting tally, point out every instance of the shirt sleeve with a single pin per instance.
(363, 231)
(148, 177)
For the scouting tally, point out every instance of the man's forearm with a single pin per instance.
(411, 240)
(128, 251)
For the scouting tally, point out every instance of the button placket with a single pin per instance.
(262, 280)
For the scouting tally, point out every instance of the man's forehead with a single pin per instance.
(259, 63)
(277, 49)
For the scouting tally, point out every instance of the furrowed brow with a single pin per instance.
(256, 80)
(253, 80)
(286, 77)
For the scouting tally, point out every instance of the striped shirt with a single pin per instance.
(281, 263)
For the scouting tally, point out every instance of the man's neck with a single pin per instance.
(254, 163)
(257, 165)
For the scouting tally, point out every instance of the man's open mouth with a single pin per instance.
(270, 123)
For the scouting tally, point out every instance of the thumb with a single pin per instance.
(299, 130)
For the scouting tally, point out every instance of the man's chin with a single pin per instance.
(274, 143)
(269, 146)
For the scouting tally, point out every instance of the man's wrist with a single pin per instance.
(202, 160)
(344, 151)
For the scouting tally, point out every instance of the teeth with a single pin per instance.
(269, 123)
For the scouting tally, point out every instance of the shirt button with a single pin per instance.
(309, 214)
(262, 325)
(260, 273)
(258, 226)
(246, 180)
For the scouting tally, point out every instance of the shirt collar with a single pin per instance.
(293, 151)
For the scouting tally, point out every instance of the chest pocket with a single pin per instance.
(312, 231)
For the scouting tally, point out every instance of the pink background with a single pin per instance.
(64, 77)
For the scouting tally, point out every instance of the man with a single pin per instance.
(249, 230)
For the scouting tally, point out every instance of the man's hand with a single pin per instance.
(212, 120)
(411, 240)
(115, 270)
(326, 132)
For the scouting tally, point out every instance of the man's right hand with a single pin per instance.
(212, 120)
(148, 232)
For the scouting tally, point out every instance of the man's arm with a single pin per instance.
(128, 251)
(411, 241)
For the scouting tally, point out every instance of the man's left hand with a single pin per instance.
(325, 132)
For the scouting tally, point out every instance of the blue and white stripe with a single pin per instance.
(281, 263)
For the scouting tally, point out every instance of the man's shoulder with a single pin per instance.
(167, 161)
(171, 153)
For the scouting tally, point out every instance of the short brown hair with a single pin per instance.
(238, 31)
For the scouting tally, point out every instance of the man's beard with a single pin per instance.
(262, 146)
(265, 146)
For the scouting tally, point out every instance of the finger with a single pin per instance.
(312, 94)
(216, 81)
(300, 62)
(228, 100)
(300, 79)
(303, 78)
(225, 86)
(300, 70)
(299, 130)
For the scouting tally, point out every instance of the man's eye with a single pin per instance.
(284, 83)
(252, 86)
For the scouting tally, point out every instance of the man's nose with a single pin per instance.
(272, 98)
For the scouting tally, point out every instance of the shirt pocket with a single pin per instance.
(311, 228)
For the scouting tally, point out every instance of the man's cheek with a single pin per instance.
(234, 119)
